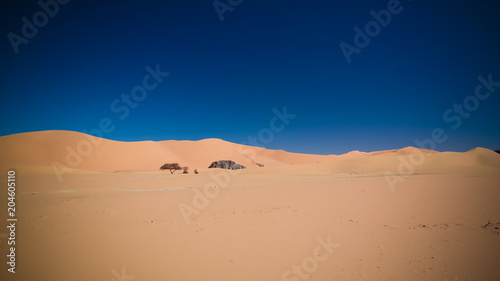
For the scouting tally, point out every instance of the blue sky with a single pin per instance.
(225, 77)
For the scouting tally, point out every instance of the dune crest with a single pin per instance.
(80, 151)
(85, 152)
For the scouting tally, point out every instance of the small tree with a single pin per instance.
(171, 166)
(185, 170)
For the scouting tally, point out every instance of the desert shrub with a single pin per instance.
(185, 170)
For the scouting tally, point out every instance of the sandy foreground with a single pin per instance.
(338, 219)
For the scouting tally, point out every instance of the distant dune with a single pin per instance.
(40, 150)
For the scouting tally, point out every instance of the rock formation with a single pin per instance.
(226, 164)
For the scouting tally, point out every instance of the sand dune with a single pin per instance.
(84, 152)
(413, 160)
(80, 151)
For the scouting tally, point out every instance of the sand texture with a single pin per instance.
(109, 213)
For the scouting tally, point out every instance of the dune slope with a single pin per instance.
(40, 151)
(81, 151)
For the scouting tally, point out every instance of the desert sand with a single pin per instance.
(108, 213)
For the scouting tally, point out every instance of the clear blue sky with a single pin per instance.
(227, 76)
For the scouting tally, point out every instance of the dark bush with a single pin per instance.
(171, 166)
